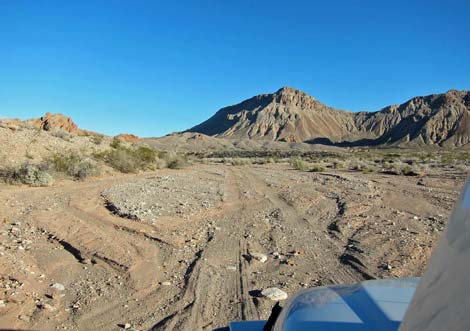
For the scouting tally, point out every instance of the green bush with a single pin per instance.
(64, 162)
(299, 164)
(130, 160)
(73, 165)
(146, 154)
(122, 159)
(317, 168)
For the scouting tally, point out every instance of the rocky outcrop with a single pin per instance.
(127, 137)
(294, 116)
(50, 122)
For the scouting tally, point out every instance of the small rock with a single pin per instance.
(24, 318)
(166, 283)
(231, 267)
(387, 266)
(47, 307)
(58, 286)
(2, 304)
(127, 326)
(85, 261)
(274, 294)
(259, 256)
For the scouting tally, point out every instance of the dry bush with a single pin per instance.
(28, 174)
(317, 168)
(337, 164)
(175, 161)
(97, 139)
(404, 169)
(62, 134)
(299, 164)
(130, 160)
(240, 161)
(73, 165)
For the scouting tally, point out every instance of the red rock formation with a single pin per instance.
(127, 137)
(50, 122)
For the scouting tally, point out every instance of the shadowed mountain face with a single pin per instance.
(293, 116)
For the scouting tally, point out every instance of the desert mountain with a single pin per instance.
(294, 116)
(437, 119)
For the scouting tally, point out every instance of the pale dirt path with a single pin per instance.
(344, 225)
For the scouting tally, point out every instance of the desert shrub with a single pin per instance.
(391, 169)
(336, 164)
(122, 159)
(408, 170)
(27, 174)
(367, 169)
(62, 134)
(145, 154)
(64, 162)
(356, 166)
(317, 168)
(363, 166)
(463, 168)
(73, 165)
(262, 160)
(116, 143)
(399, 168)
(299, 164)
(175, 161)
(97, 140)
(87, 169)
(128, 160)
(240, 161)
(454, 157)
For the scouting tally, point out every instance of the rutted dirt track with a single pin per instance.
(190, 269)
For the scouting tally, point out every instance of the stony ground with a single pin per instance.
(198, 247)
(23, 143)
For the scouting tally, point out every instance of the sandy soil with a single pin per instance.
(188, 267)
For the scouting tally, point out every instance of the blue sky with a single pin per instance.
(153, 67)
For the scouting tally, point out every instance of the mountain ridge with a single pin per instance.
(294, 116)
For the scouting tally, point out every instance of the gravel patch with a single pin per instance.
(151, 198)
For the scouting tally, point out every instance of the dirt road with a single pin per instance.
(190, 268)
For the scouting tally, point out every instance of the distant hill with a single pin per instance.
(294, 116)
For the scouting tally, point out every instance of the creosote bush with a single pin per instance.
(175, 161)
(128, 159)
(317, 168)
(299, 164)
(73, 165)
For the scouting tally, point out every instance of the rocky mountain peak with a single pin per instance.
(288, 94)
(294, 116)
